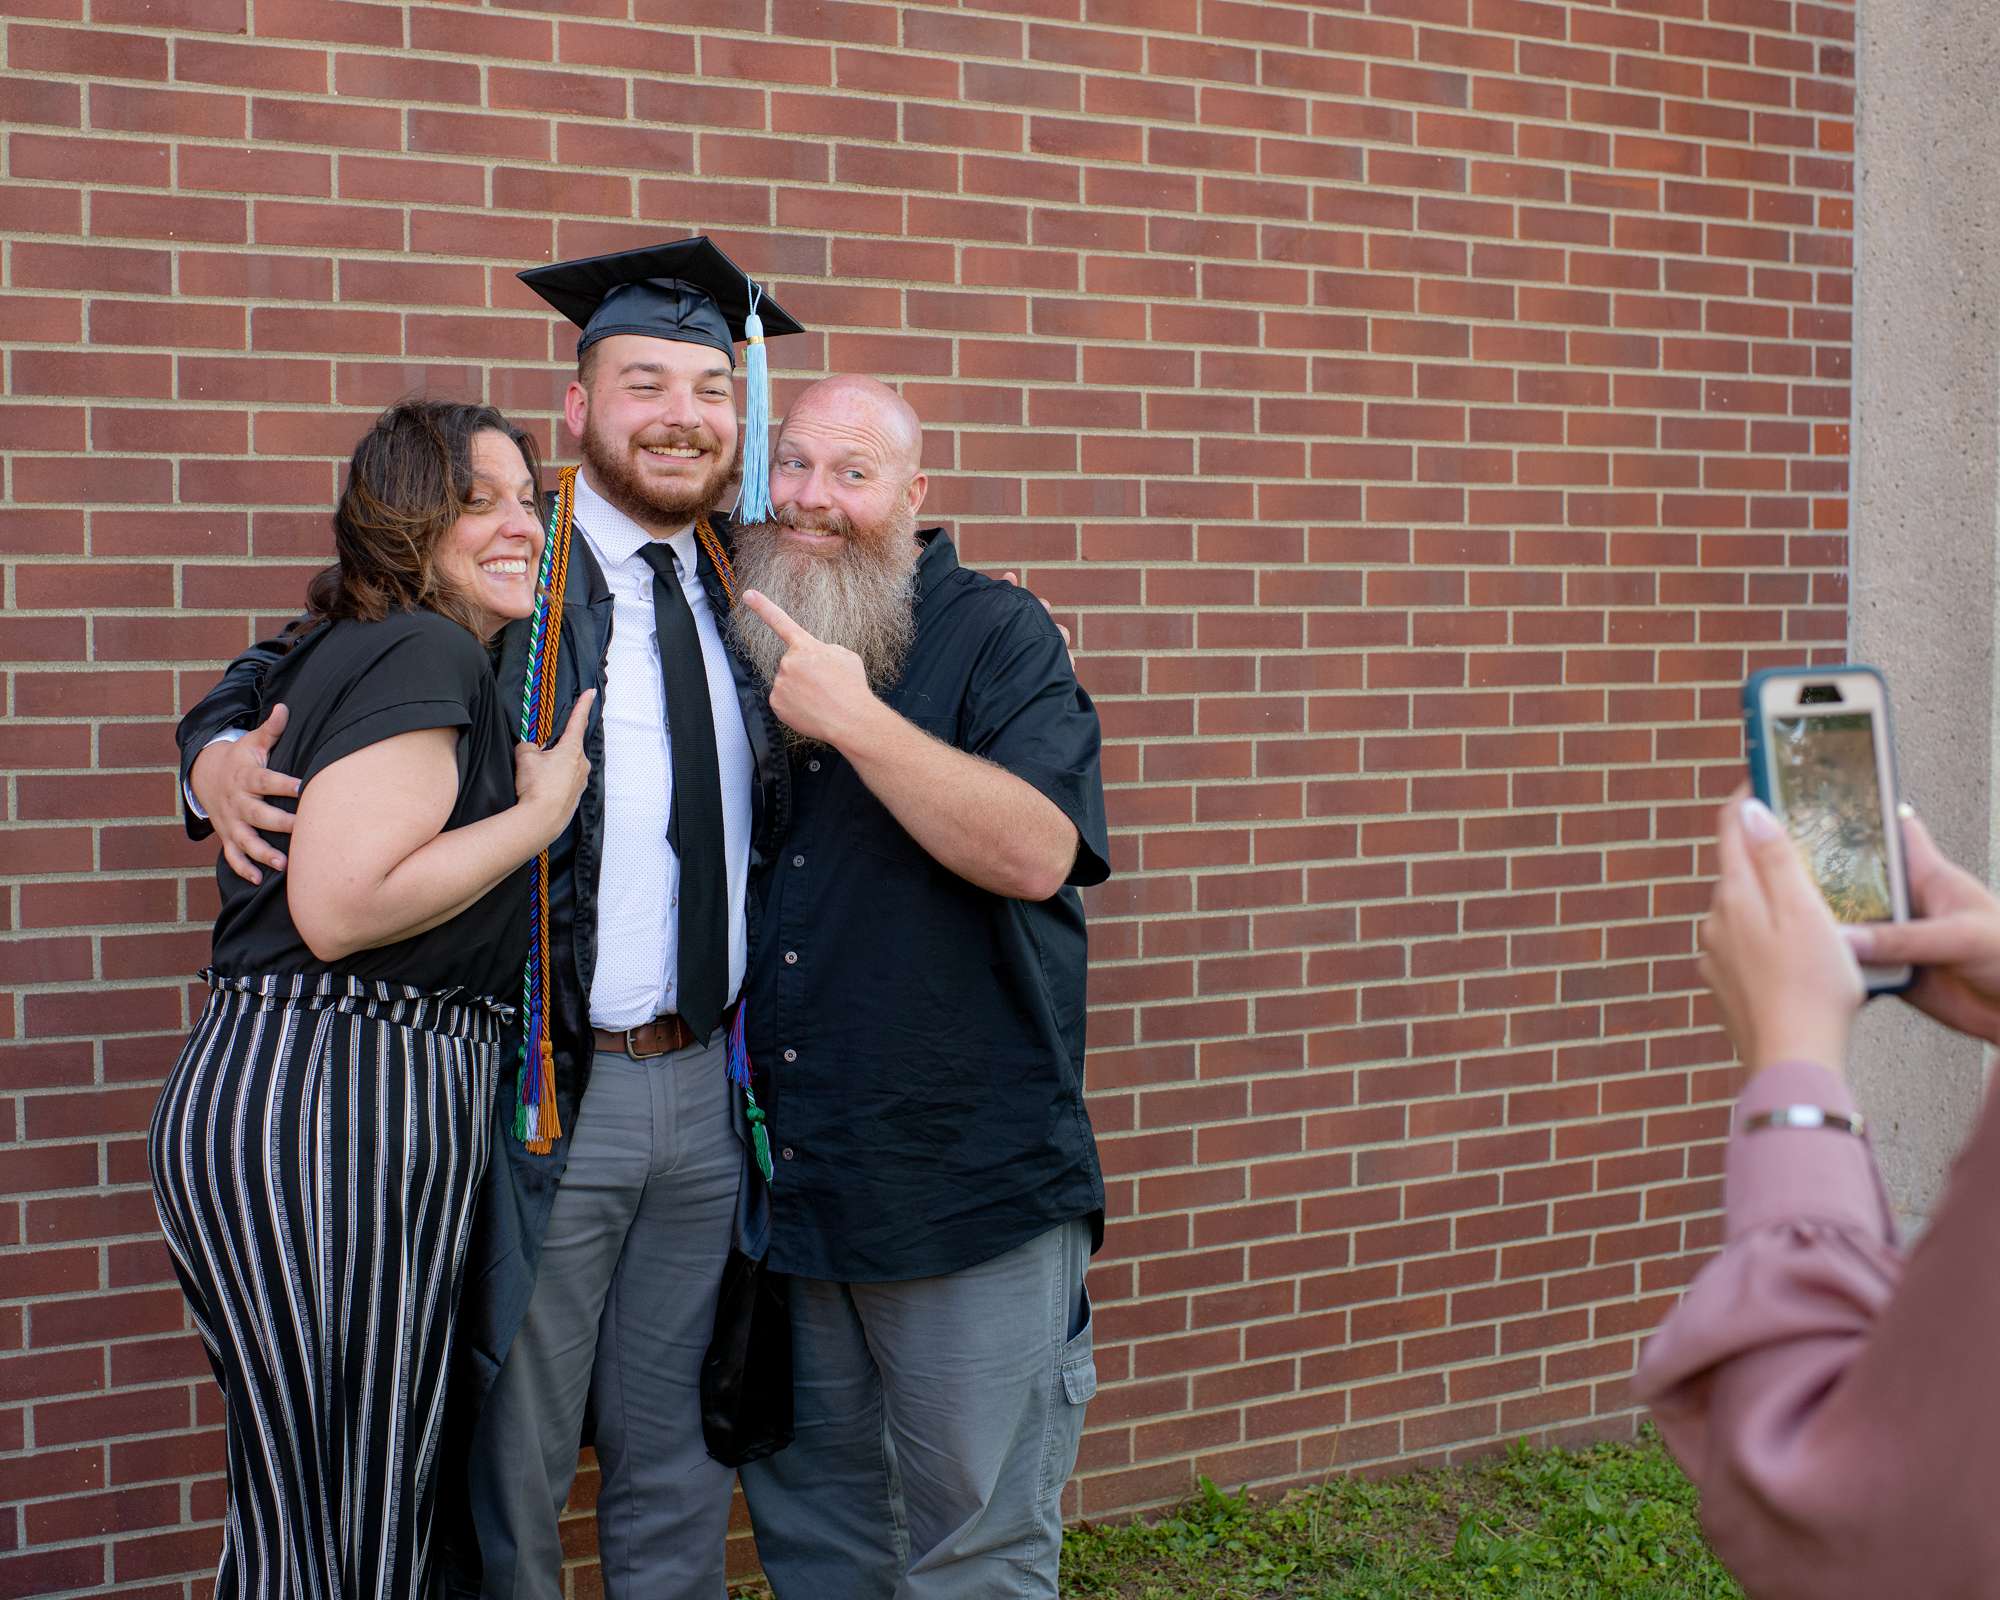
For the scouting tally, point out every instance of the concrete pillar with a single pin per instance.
(1926, 498)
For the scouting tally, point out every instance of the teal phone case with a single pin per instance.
(1757, 757)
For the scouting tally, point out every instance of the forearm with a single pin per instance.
(232, 703)
(1816, 1386)
(971, 816)
(359, 909)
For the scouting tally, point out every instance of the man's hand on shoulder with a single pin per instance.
(230, 781)
(1015, 579)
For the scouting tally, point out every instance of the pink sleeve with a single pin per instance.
(1838, 1409)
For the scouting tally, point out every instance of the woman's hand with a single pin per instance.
(1784, 977)
(550, 782)
(1956, 944)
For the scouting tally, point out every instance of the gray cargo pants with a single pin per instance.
(938, 1420)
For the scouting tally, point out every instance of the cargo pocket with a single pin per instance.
(1078, 1366)
(1076, 1382)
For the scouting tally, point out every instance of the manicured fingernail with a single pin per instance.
(1906, 811)
(1758, 821)
(1860, 940)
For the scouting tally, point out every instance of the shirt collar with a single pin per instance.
(938, 561)
(618, 539)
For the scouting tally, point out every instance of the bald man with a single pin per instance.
(915, 1013)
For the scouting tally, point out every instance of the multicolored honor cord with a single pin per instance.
(536, 1123)
(739, 1074)
(705, 536)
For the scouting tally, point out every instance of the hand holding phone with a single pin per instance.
(1954, 941)
(1781, 973)
(1822, 757)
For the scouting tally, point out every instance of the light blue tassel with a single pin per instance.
(754, 503)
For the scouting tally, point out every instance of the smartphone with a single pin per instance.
(1822, 756)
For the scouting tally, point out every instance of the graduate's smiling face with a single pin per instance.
(491, 553)
(656, 420)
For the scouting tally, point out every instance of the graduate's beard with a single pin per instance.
(862, 597)
(615, 475)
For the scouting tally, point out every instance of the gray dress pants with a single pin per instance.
(938, 1420)
(622, 1313)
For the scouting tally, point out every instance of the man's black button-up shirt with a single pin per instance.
(918, 1041)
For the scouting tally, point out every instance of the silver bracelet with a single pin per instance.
(1805, 1117)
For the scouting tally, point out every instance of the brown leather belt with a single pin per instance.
(662, 1036)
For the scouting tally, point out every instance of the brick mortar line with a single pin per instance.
(362, 254)
(1180, 479)
(1568, 285)
(1135, 1090)
(172, 984)
(556, 66)
(984, 430)
(196, 873)
(1511, 813)
(1302, 353)
(1026, 151)
(1301, 1197)
(1132, 434)
(365, 254)
(556, 21)
(1197, 213)
(336, 51)
(1360, 141)
(1089, 608)
(1192, 1210)
(1346, 1266)
(178, 142)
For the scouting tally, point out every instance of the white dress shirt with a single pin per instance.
(638, 883)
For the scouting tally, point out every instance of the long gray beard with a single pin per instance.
(863, 599)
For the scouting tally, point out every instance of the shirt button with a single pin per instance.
(791, 1055)
(791, 958)
(798, 861)
(813, 765)
(787, 1152)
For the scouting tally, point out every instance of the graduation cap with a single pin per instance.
(692, 293)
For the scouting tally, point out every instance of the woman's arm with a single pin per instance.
(371, 862)
(1836, 1404)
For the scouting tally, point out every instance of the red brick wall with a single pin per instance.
(1423, 410)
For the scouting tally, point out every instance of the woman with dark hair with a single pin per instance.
(319, 1142)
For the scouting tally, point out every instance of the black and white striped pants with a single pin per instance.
(316, 1153)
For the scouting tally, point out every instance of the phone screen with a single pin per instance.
(1830, 797)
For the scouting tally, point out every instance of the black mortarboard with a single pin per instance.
(687, 291)
(692, 293)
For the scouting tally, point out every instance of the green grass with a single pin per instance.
(1613, 1522)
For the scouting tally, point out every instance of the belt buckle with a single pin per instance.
(632, 1049)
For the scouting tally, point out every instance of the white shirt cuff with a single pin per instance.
(227, 736)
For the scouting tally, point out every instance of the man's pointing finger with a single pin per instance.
(780, 621)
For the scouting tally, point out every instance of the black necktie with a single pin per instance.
(694, 823)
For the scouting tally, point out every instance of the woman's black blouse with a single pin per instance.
(351, 684)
